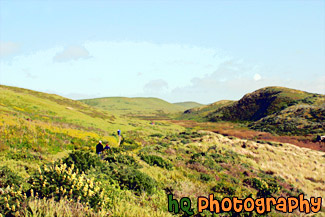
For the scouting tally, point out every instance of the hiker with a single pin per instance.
(119, 136)
(99, 148)
(107, 147)
(320, 139)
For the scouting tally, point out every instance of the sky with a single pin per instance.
(201, 51)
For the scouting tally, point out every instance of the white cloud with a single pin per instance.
(156, 86)
(71, 53)
(8, 48)
(257, 77)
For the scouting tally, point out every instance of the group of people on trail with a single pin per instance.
(100, 148)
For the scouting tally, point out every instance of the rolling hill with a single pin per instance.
(273, 109)
(200, 113)
(136, 106)
(56, 122)
(188, 105)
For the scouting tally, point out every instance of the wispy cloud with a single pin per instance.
(156, 86)
(71, 53)
(8, 48)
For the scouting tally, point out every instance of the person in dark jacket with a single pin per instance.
(99, 148)
(107, 147)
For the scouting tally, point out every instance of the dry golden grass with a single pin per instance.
(49, 208)
(302, 167)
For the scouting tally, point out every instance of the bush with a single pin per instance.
(224, 188)
(159, 135)
(264, 189)
(11, 199)
(9, 178)
(122, 159)
(156, 160)
(185, 141)
(113, 150)
(58, 181)
(127, 178)
(82, 161)
(205, 177)
(197, 157)
(135, 180)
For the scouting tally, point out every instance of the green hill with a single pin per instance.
(57, 122)
(274, 109)
(266, 101)
(138, 106)
(200, 113)
(188, 105)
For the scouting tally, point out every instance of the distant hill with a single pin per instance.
(200, 113)
(274, 109)
(138, 105)
(188, 105)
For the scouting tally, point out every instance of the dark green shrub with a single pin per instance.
(82, 161)
(197, 157)
(122, 159)
(185, 141)
(127, 177)
(135, 180)
(224, 188)
(264, 188)
(156, 160)
(114, 150)
(159, 135)
(205, 177)
(164, 144)
(8, 177)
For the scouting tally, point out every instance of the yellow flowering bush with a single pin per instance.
(11, 199)
(60, 181)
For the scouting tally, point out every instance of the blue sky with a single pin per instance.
(201, 51)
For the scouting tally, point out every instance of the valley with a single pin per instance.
(49, 165)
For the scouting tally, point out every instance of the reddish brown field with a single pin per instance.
(232, 129)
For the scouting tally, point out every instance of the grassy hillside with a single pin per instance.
(273, 109)
(137, 106)
(266, 101)
(37, 120)
(200, 113)
(48, 165)
(188, 105)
